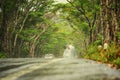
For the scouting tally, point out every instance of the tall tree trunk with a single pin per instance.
(19, 49)
(91, 36)
(115, 21)
(32, 50)
(6, 43)
(102, 19)
(6, 34)
(107, 30)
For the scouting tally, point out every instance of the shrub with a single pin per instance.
(3, 55)
(92, 49)
(117, 62)
(111, 55)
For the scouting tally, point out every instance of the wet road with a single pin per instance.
(55, 69)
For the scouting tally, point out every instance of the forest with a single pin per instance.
(33, 28)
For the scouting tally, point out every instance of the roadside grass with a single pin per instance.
(110, 56)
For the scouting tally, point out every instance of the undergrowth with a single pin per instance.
(3, 54)
(111, 55)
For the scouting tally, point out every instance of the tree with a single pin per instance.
(109, 23)
(87, 13)
(12, 26)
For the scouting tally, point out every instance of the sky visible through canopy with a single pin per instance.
(61, 1)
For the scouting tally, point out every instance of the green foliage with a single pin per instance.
(3, 54)
(81, 13)
(92, 49)
(36, 14)
(99, 40)
(84, 27)
(71, 27)
(117, 61)
(93, 53)
(53, 40)
(118, 35)
(25, 51)
(105, 56)
(27, 34)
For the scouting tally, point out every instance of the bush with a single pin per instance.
(92, 49)
(93, 53)
(3, 55)
(111, 55)
(117, 62)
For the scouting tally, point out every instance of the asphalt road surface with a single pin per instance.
(55, 69)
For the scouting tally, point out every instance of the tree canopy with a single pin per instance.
(33, 28)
